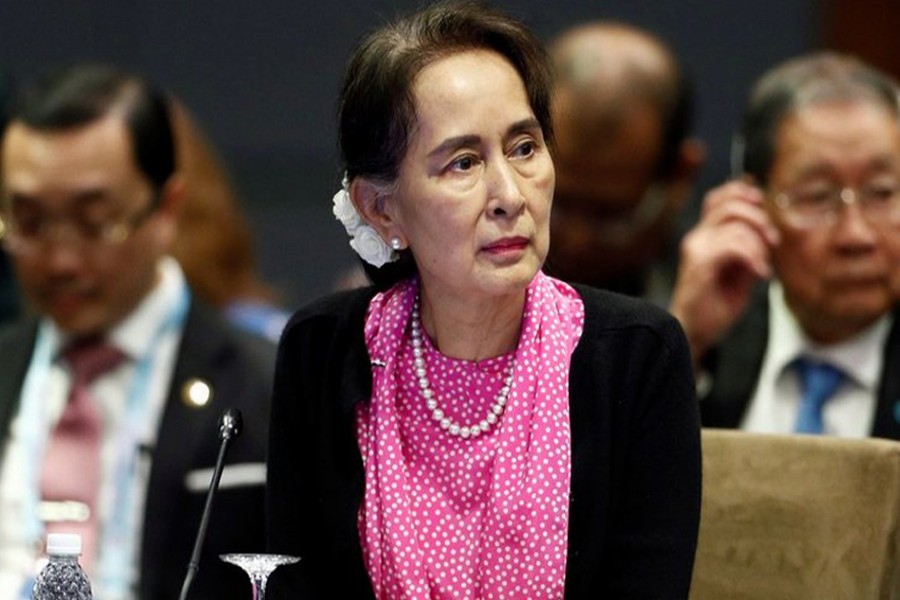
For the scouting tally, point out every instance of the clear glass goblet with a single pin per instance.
(259, 567)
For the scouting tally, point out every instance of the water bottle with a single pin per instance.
(62, 578)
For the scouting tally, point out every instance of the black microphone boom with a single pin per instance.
(229, 427)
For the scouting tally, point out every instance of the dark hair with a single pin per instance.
(376, 111)
(81, 94)
(812, 79)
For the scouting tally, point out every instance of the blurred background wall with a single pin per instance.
(262, 77)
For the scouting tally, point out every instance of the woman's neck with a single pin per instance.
(473, 330)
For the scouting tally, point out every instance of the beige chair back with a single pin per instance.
(798, 517)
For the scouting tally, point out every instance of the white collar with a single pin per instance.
(859, 357)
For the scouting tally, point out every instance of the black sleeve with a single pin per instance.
(285, 492)
(655, 523)
(315, 474)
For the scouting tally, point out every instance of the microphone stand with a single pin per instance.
(229, 427)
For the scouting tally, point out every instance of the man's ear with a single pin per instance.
(375, 206)
(171, 199)
(172, 194)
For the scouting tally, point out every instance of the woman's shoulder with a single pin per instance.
(608, 312)
(338, 307)
(611, 309)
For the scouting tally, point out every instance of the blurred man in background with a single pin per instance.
(786, 287)
(110, 394)
(625, 164)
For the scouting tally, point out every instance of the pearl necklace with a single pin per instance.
(446, 423)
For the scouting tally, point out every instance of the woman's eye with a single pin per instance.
(525, 149)
(463, 163)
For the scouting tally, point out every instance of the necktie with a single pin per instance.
(72, 466)
(819, 381)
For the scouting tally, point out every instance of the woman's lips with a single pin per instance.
(507, 245)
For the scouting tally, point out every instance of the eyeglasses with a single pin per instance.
(25, 230)
(820, 206)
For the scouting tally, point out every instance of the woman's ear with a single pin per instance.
(374, 205)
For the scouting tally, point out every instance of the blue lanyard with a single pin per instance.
(114, 573)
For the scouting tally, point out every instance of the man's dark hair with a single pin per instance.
(813, 79)
(81, 94)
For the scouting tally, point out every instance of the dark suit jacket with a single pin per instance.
(239, 369)
(635, 489)
(735, 364)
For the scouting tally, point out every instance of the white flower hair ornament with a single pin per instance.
(363, 238)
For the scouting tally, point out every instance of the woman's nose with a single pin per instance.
(504, 190)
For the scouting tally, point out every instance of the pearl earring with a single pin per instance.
(396, 243)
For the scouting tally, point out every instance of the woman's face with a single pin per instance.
(475, 187)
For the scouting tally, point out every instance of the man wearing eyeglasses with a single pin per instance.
(625, 161)
(110, 394)
(817, 216)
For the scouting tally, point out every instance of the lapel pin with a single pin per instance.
(196, 392)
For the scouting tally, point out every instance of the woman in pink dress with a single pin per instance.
(471, 428)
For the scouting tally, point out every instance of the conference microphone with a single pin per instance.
(230, 424)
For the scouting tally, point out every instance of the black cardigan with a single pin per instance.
(636, 467)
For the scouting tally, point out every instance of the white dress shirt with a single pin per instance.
(851, 411)
(149, 338)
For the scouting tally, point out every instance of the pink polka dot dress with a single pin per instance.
(475, 517)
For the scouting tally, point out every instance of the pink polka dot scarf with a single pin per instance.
(478, 518)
